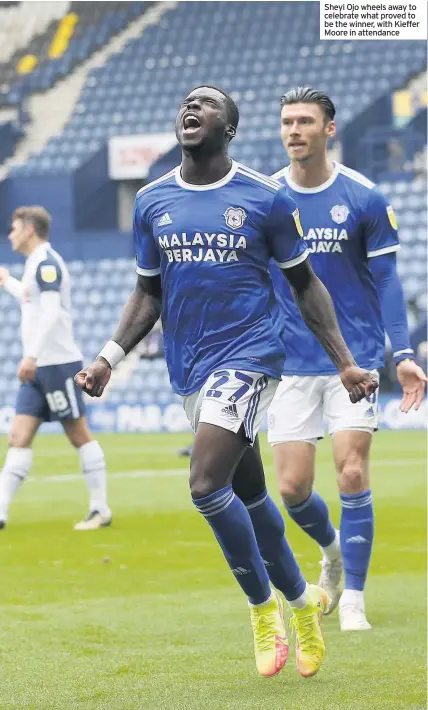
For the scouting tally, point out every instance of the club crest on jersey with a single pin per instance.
(48, 273)
(339, 213)
(235, 217)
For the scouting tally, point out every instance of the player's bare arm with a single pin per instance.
(140, 314)
(316, 307)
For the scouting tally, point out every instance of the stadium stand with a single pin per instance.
(66, 41)
(408, 199)
(20, 23)
(240, 48)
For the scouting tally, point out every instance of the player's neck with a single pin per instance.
(32, 245)
(313, 172)
(199, 169)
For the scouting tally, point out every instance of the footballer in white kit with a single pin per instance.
(50, 360)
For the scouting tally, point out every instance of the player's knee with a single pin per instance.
(79, 440)
(19, 439)
(293, 486)
(294, 492)
(202, 482)
(247, 490)
(352, 477)
(201, 487)
(78, 433)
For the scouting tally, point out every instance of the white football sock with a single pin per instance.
(18, 463)
(352, 596)
(332, 551)
(94, 469)
(301, 601)
(263, 603)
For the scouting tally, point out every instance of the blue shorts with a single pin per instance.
(52, 395)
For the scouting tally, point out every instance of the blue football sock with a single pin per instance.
(313, 517)
(281, 565)
(356, 537)
(233, 529)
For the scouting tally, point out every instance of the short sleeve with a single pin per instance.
(49, 275)
(146, 251)
(285, 232)
(380, 226)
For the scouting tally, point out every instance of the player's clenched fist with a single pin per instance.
(359, 383)
(94, 378)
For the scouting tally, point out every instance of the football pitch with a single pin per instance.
(145, 615)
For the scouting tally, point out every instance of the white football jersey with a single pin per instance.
(45, 270)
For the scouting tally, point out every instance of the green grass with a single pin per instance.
(146, 616)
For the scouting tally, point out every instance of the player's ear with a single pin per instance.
(231, 132)
(331, 129)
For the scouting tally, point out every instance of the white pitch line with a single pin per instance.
(145, 473)
(171, 472)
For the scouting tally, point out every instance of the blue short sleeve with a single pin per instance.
(146, 251)
(49, 275)
(380, 226)
(285, 232)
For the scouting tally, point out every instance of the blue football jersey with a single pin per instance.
(212, 245)
(346, 221)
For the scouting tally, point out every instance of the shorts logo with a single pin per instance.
(231, 411)
(297, 222)
(391, 216)
(48, 273)
(339, 213)
(235, 217)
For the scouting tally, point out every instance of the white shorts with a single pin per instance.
(230, 398)
(302, 405)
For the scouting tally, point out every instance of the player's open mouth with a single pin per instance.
(191, 122)
(296, 145)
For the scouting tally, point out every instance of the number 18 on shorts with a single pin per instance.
(52, 394)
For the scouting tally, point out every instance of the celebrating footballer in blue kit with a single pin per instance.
(351, 233)
(204, 235)
(50, 360)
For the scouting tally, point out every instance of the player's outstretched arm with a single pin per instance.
(140, 314)
(318, 312)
